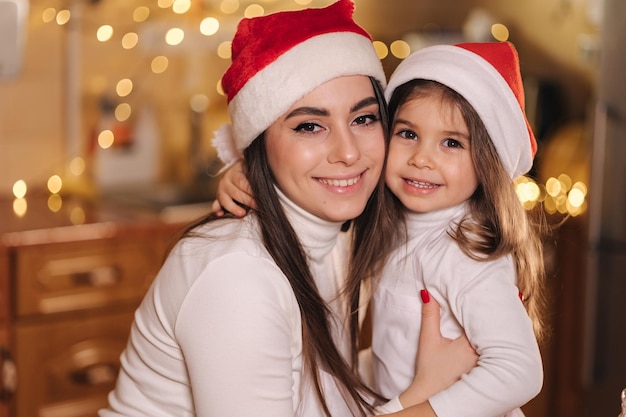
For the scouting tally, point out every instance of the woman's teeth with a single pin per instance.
(340, 183)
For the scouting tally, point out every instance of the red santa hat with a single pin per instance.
(279, 58)
(487, 75)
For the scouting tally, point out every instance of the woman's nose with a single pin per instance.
(344, 147)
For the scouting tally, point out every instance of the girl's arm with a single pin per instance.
(486, 304)
(233, 192)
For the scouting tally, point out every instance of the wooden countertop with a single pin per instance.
(82, 219)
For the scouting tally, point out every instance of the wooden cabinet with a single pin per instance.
(67, 300)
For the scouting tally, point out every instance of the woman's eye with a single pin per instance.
(367, 119)
(307, 128)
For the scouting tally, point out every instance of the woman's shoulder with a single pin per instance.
(220, 237)
(232, 247)
(221, 257)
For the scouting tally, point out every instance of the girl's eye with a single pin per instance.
(407, 134)
(452, 143)
(366, 120)
(308, 128)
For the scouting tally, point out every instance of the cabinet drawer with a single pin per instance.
(5, 300)
(73, 276)
(66, 368)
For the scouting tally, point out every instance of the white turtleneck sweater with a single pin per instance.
(480, 298)
(219, 332)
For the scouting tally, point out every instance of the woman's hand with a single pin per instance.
(440, 361)
(233, 190)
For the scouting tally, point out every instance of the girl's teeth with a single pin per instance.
(422, 184)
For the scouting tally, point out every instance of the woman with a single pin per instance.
(248, 316)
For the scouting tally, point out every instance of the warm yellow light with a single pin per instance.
(580, 186)
(123, 112)
(219, 88)
(302, 2)
(229, 6)
(20, 207)
(77, 215)
(19, 189)
(104, 33)
(500, 32)
(400, 49)
(254, 10)
(159, 64)
(561, 203)
(141, 13)
(129, 40)
(566, 181)
(575, 197)
(174, 36)
(106, 139)
(223, 50)
(55, 202)
(549, 204)
(199, 102)
(181, 6)
(553, 187)
(55, 183)
(381, 49)
(528, 191)
(124, 87)
(209, 26)
(63, 17)
(165, 4)
(48, 15)
(77, 166)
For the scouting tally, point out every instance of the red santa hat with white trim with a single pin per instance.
(279, 58)
(487, 75)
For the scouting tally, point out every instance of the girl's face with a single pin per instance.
(328, 150)
(429, 166)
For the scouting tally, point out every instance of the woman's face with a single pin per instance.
(327, 150)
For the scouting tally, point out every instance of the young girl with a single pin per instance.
(247, 316)
(459, 139)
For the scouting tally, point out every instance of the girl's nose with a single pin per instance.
(421, 158)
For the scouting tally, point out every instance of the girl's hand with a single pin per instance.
(233, 191)
(440, 361)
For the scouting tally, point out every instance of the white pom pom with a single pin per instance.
(224, 143)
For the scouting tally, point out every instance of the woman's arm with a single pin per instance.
(440, 363)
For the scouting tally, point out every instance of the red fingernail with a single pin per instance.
(425, 296)
(521, 296)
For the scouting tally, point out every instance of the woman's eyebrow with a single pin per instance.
(312, 111)
(316, 111)
(363, 103)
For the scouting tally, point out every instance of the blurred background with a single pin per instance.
(107, 111)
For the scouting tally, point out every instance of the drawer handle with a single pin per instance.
(97, 277)
(101, 373)
(9, 375)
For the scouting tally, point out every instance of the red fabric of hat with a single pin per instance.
(259, 41)
(504, 58)
(279, 58)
